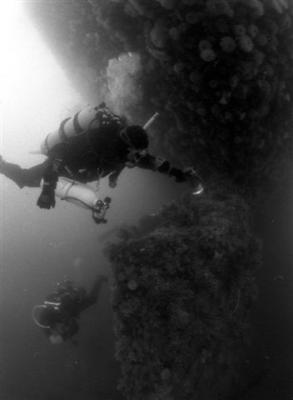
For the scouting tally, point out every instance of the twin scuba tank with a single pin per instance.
(80, 123)
(67, 189)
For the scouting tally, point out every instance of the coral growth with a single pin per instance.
(123, 75)
(184, 288)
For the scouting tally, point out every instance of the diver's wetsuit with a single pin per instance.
(87, 157)
(71, 302)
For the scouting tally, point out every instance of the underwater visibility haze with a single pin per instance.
(198, 303)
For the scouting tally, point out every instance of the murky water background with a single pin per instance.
(38, 248)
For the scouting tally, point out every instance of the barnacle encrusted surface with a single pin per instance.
(184, 288)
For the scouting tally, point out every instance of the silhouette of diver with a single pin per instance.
(58, 315)
(102, 149)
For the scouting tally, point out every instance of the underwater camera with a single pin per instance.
(100, 209)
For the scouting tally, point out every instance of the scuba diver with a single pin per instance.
(93, 144)
(58, 315)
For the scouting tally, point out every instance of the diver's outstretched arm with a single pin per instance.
(163, 166)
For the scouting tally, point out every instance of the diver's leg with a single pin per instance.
(30, 177)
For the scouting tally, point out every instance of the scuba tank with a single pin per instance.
(70, 127)
(83, 196)
(79, 124)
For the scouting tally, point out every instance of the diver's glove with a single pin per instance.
(47, 197)
(178, 174)
(189, 173)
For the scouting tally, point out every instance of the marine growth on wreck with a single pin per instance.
(184, 289)
(219, 72)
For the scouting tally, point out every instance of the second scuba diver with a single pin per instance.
(58, 315)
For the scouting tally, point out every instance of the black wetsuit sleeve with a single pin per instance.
(54, 165)
(161, 165)
(50, 176)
